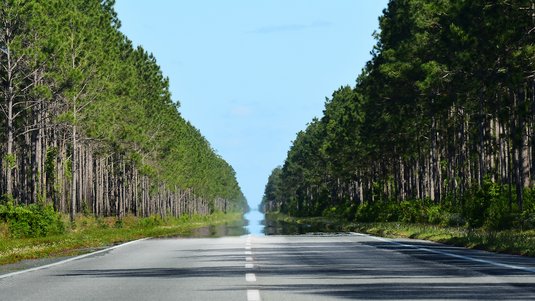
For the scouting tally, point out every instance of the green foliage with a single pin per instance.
(527, 217)
(369, 212)
(119, 224)
(10, 159)
(89, 233)
(435, 214)
(436, 130)
(34, 220)
(151, 221)
(411, 212)
(488, 206)
(89, 77)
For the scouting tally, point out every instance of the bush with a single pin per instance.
(151, 221)
(476, 204)
(435, 214)
(368, 212)
(488, 206)
(35, 220)
(350, 211)
(4, 230)
(331, 212)
(453, 219)
(390, 212)
(413, 212)
(498, 216)
(527, 217)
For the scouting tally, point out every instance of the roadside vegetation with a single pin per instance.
(37, 231)
(90, 131)
(436, 139)
(89, 125)
(511, 241)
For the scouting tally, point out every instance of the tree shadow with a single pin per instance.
(353, 270)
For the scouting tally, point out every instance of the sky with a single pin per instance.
(250, 74)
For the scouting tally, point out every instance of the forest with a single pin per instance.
(439, 127)
(89, 124)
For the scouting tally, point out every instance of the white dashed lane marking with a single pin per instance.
(250, 277)
(253, 295)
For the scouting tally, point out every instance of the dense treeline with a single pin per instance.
(441, 121)
(88, 120)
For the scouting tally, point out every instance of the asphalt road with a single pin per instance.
(306, 267)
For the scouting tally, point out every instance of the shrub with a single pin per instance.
(435, 214)
(476, 204)
(4, 230)
(35, 220)
(151, 221)
(390, 212)
(412, 212)
(368, 212)
(331, 212)
(453, 219)
(119, 224)
(498, 216)
(350, 211)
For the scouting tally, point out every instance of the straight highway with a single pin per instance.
(347, 266)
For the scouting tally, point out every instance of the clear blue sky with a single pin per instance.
(251, 74)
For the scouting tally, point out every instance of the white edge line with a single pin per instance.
(68, 260)
(494, 263)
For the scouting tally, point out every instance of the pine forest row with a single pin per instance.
(89, 124)
(442, 116)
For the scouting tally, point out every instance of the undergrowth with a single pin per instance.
(88, 233)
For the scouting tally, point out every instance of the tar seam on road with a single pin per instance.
(68, 260)
(494, 263)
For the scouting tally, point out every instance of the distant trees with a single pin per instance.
(445, 106)
(89, 123)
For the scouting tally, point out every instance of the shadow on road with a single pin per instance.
(355, 270)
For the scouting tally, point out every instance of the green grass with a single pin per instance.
(520, 242)
(89, 233)
(504, 241)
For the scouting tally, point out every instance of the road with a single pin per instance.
(306, 267)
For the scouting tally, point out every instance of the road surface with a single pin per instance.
(306, 267)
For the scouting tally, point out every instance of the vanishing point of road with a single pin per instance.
(348, 266)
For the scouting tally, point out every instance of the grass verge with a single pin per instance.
(88, 234)
(518, 242)
(506, 241)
